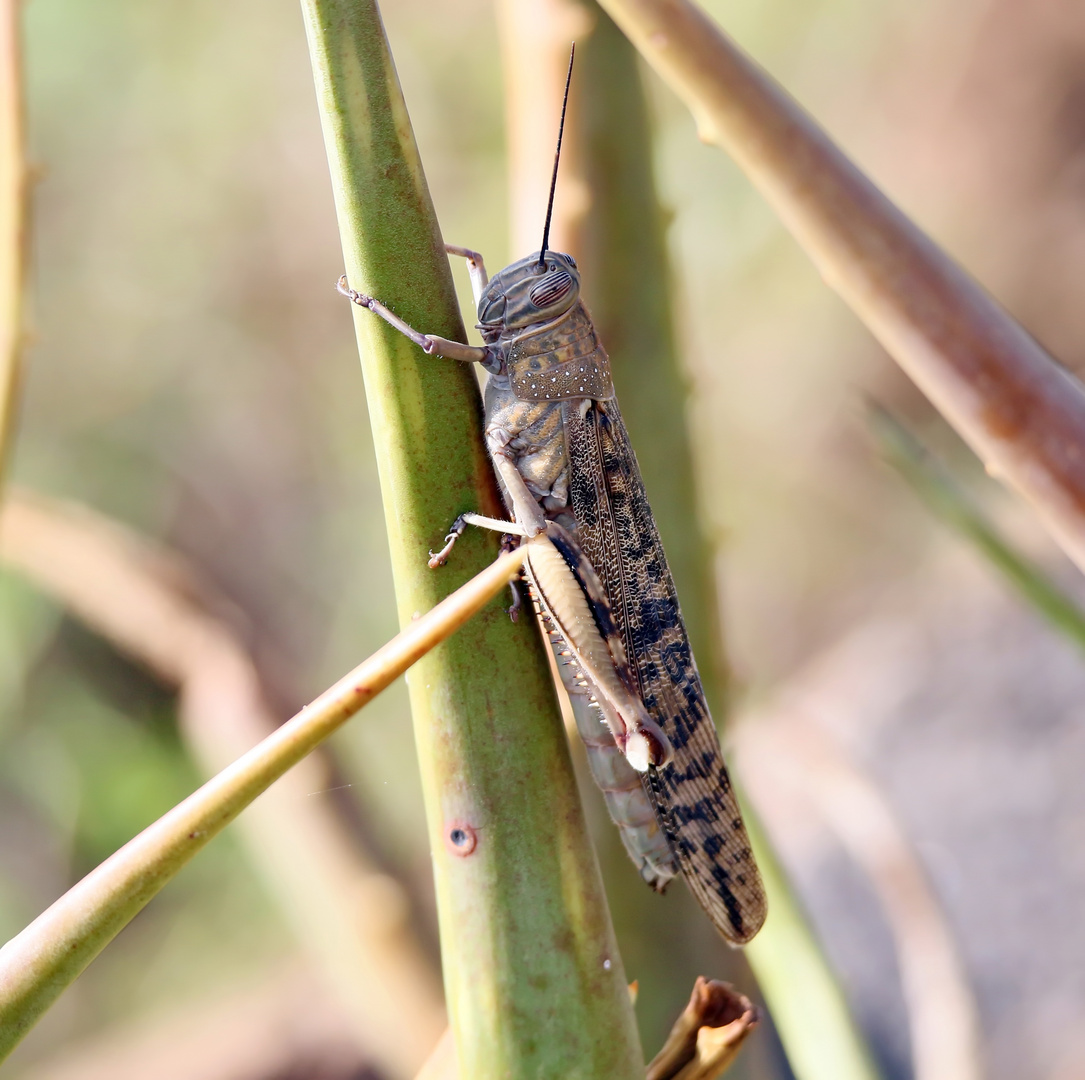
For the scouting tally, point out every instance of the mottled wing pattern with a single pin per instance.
(693, 795)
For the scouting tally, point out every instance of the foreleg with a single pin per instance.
(510, 528)
(428, 343)
(475, 267)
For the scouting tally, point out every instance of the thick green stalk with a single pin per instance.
(534, 982)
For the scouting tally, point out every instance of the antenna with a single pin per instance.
(557, 158)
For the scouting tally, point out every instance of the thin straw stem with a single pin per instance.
(40, 962)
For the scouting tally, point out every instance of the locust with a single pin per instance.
(598, 576)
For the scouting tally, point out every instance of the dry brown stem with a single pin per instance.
(1015, 406)
(706, 1037)
(147, 602)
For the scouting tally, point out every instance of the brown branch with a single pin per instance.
(1022, 413)
(147, 602)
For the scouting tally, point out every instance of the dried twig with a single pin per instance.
(701, 1045)
(706, 1037)
(75, 556)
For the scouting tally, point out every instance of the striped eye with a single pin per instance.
(551, 289)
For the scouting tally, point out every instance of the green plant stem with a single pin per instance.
(1018, 410)
(808, 1006)
(948, 503)
(40, 962)
(533, 980)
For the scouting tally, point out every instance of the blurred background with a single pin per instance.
(193, 375)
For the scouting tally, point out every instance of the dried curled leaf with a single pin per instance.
(706, 1038)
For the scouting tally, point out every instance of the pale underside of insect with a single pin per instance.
(599, 578)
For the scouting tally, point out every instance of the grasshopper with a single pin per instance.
(598, 576)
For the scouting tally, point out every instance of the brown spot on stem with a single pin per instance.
(460, 839)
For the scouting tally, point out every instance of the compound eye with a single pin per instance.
(551, 289)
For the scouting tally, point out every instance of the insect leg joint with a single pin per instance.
(475, 267)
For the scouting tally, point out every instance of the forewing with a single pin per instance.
(693, 796)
